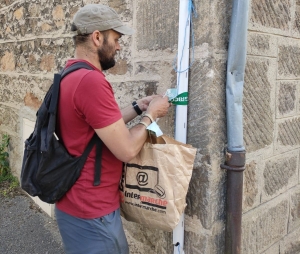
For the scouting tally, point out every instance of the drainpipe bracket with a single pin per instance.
(237, 169)
(235, 161)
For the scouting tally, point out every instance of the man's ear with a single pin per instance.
(97, 38)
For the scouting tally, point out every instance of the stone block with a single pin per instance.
(19, 13)
(15, 151)
(251, 189)
(207, 99)
(198, 188)
(287, 95)
(197, 245)
(217, 239)
(298, 97)
(271, 16)
(123, 7)
(157, 24)
(5, 3)
(291, 243)
(36, 56)
(218, 25)
(201, 240)
(197, 119)
(8, 62)
(275, 249)
(14, 90)
(294, 221)
(261, 44)
(212, 23)
(206, 105)
(216, 101)
(288, 59)
(258, 103)
(206, 115)
(120, 68)
(47, 63)
(32, 101)
(161, 71)
(126, 92)
(296, 21)
(11, 89)
(141, 240)
(287, 134)
(24, 19)
(280, 173)
(206, 196)
(264, 226)
(9, 118)
(59, 16)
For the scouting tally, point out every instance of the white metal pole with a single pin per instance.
(181, 110)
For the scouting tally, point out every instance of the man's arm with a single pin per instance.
(122, 142)
(129, 112)
(125, 143)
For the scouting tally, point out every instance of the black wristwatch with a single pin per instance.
(137, 108)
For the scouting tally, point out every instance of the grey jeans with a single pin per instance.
(104, 235)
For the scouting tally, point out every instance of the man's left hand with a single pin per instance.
(144, 102)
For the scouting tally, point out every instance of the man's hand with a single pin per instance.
(125, 144)
(157, 110)
(158, 107)
(144, 102)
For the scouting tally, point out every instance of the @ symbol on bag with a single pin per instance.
(142, 178)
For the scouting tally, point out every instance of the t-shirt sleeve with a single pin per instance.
(94, 101)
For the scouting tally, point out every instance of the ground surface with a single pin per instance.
(24, 227)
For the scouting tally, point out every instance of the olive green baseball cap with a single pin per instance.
(99, 17)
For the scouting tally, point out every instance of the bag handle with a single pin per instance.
(152, 139)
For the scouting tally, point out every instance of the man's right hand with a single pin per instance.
(158, 107)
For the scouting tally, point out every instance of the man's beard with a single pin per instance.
(105, 55)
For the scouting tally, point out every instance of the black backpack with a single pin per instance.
(48, 170)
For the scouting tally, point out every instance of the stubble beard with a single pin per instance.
(106, 56)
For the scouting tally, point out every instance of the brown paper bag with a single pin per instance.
(154, 184)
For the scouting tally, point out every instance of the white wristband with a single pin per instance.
(150, 117)
(146, 125)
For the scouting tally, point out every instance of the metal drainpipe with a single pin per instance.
(235, 155)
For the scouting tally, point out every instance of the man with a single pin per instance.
(88, 216)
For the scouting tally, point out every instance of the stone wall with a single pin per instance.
(271, 118)
(35, 41)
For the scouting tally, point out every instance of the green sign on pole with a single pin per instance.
(181, 99)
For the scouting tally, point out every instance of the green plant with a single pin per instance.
(4, 163)
(5, 172)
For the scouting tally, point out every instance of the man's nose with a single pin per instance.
(118, 47)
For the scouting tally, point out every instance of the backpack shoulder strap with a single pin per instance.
(95, 140)
(52, 109)
(74, 67)
(97, 175)
(98, 142)
(57, 79)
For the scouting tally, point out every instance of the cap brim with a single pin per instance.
(124, 30)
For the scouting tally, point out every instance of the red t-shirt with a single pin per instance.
(86, 102)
